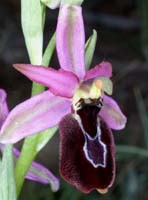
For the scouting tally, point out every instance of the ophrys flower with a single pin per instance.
(76, 100)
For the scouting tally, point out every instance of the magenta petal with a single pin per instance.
(39, 173)
(34, 115)
(61, 83)
(3, 106)
(70, 39)
(74, 167)
(103, 69)
(112, 114)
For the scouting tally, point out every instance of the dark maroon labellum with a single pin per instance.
(94, 148)
(86, 149)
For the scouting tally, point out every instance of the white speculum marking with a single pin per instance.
(98, 147)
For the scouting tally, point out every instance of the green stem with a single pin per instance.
(20, 173)
(7, 186)
(28, 152)
(30, 146)
(36, 89)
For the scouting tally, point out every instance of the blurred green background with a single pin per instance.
(122, 28)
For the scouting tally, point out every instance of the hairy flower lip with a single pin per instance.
(75, 168)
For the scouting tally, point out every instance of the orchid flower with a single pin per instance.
(77, 100)
(37, 172)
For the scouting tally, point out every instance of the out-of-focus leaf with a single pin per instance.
(125, 152)
(144, 28)
(7, 182)
(49, 51)
(142, 113)
(90, 48)
(33, 18)
(131, 186)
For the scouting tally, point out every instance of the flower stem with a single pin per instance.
(27, 155)
(28, 152)
(7, 186)
(30, 146)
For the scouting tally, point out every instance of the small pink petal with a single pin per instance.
(39, 173)
(34, 115)
(70, 39)
(3, 106)
(59, 82)
(103, 69)
(112, 115)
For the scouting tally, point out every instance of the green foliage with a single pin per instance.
(90, 48)
(7, 182)
(49, 51)
(142, 113)
(33, 19)
(75, 2)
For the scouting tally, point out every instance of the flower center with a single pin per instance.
(91, 90)
(87, 102)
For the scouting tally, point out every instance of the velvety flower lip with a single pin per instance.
(37, 172)
(75, 168)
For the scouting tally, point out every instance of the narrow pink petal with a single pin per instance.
(34, 115)
(111, 114)
(39, 173)
(3, 106)
(59, 82)
(70, 39)
(103, 69)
